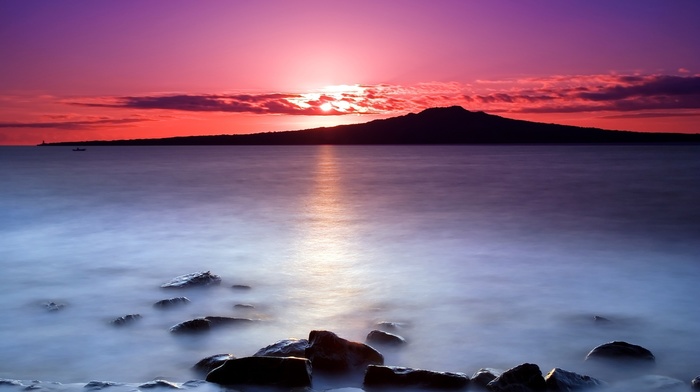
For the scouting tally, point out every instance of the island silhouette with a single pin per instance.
(442, 125)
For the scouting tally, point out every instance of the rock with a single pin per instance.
(244, 306)
(212, 362)
(241, 287)
(561, 380)
(53, 306)
(203, 324)
(384, 338)
(170, 302)
(128, 319)
(159, 383)
(601, 319)
(522, 378)
(695, 383)
(620, 350)
(97, 385)
(484, 376)
(393, 376)
(193, 279)
(284, 348)
(287, 371)
(651, 383)
(329, 352)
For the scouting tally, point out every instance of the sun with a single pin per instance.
(326, 106)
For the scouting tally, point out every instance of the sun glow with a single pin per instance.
(326, 106)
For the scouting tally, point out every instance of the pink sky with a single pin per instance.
(121, 69)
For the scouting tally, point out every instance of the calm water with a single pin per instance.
(491, 256)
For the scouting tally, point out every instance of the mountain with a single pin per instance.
(449, 125)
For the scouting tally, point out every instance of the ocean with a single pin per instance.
(488, 256)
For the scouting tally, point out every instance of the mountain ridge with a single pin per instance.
(439, 125)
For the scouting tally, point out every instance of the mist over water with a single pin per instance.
(491, 256)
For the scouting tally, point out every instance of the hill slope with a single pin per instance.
(451, 125)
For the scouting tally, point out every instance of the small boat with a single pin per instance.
(78, 149)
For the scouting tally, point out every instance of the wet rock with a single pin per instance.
(53, 306)
(329, 352)
(159, 383)
(384, 338)
(124, 320)
(193, 279)
(4, 381)
(601, 320)
(284, 348)
(212, 362)
(620, 350)
(484, 376)
(287, 371)
(522, 378)
(696, 383)
(203, 324)
(171, 302)
(244, 306)
(97, 385)
(241, 287)
(559, 380)
(393, 376)
(651, 383)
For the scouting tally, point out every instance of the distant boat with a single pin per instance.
(78, 149)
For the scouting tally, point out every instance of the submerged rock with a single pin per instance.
(241, 287)
(559, 380)
(380, 337)
(97, 385)
(212, 362)
(193, 279)
(522, 378)
(393, 376)
(695, 383)
(484, 376)
(159, 383)
(171, 302)
(620, 350)
(244, 306)
(53, 306)
(329, 352)
(128, 319)
(202, 324)
(287, 371)
(284, 348)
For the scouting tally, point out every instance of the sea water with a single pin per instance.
(488, 256)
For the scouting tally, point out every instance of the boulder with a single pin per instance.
(98, 385)
(202, 324)
(329, 352)
(620, 350)
(128, 319)
(193, 279)
(159, 384)
(284, 348)
(171, 302)
(484, 376)
(212, 362)
(287, 371)
(398, 377)
(384, 338)
(522, 378)
(559, 380)
(696, 383)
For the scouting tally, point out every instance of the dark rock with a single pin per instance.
(170, 302)
(193, 279)
(123, 320)
(329, 352)
(241, 287)
(651, 383)
(212, 362)
(53, 306)
(97, 385)
(522, 378)
(695, 383)
(484, 376)
(284, 348)
(393, 376)
(244, 306)
(221, 320)
(4, 381)
(190, 326)
(380, 337)
(620, 350)
(559, 380)
(288, 371)
(601, 319)
(159, 383)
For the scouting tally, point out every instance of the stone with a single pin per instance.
(522, 378)
(601, 319)
(559, 380)
(171, 302)
(193, 279)
(394, 376)
(284, 348)
(329, 352)
(53, 306)
(128, 319)
(202, 324)
(620, 350)
(384, 338)
(241, 287)
(97, 385)
(206, 365)
(280, 371)
(695, 383)
(244, 306)
(159, 384)
(484, 376)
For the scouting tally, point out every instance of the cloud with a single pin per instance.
(74, 124)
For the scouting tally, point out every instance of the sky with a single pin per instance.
(122, 69)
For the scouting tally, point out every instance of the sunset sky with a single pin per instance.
(122, 69)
